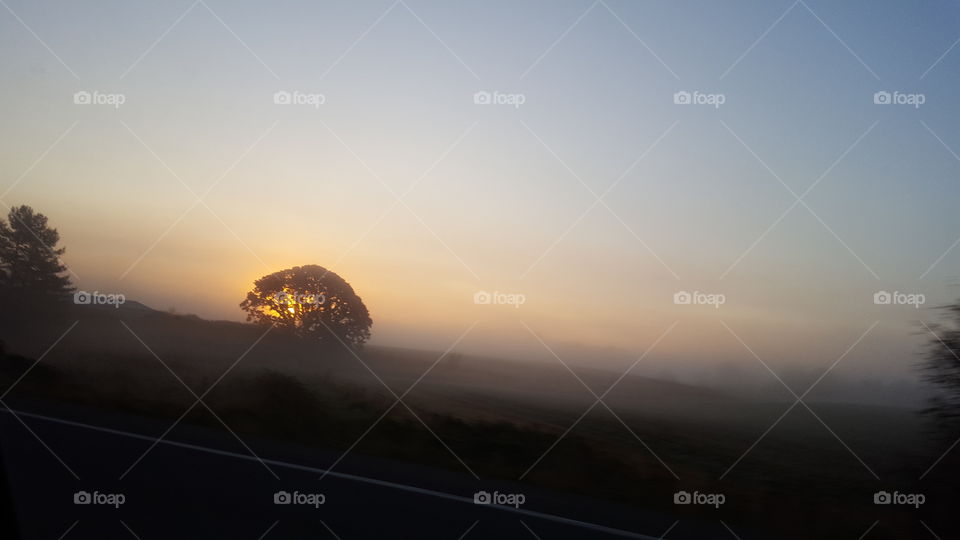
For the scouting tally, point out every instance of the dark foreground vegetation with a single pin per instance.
(799, 481)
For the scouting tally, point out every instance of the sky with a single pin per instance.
(582, 186)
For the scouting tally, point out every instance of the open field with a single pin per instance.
(502, 419)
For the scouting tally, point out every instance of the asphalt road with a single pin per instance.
(203, 483)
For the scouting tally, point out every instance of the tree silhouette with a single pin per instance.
(30, 266)
(941, 367)
(310, 301)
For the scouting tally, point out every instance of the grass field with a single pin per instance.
(807, 475)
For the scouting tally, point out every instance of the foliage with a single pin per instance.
(30, 266)
(310, 301)
(942, 367)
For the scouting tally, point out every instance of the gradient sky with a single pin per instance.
(500, 193)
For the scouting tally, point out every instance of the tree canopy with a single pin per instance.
(310, 301)
(29, 258)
